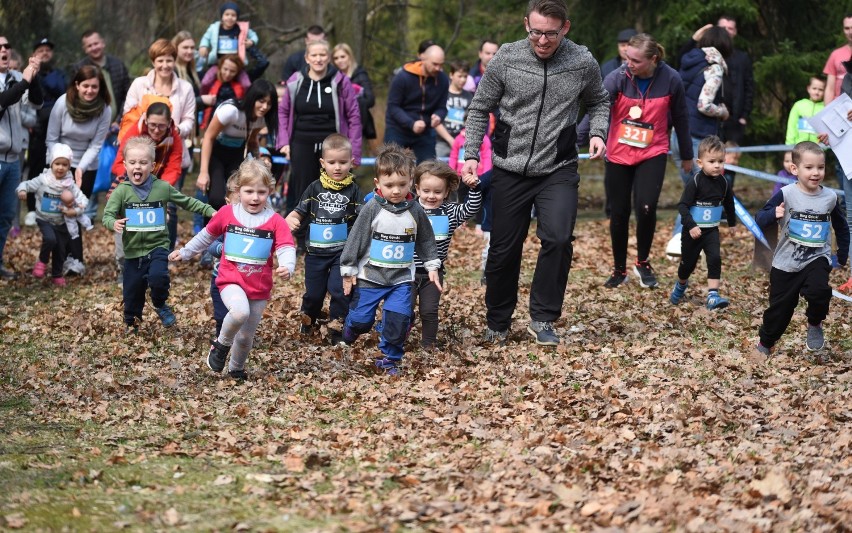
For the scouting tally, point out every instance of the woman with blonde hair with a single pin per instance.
(344, 60)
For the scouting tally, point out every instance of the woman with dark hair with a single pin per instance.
(80, 118)
(317, 102)
(232, 134)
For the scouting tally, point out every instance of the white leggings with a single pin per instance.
(240, 324)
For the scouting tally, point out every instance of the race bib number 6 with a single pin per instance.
(327, 233)
(145, 216)
(247, 245)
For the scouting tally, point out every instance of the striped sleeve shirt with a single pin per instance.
(447, 218)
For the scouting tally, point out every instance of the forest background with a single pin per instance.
(788, 40)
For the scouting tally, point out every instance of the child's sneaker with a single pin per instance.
(618, 277)
(216, 357)
(388, 366)
(816, 338)
(238, 375)
(846, 287)
(59, 282)
(30, 219)
(647, 278)
(39, 269)
(167, 316)
(714, 301)
(678, 292)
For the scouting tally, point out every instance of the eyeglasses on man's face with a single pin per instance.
(535, 35)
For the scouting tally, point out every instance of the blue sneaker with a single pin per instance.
(388, 366)
(714, 301)
(378, 326)
(678, 292)
(167, 316)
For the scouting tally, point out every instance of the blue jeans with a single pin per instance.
(396, 317)
(10, 177)
(423, 145)
(140, 273)
(322, 274)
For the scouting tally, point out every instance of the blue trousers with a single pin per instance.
(396, 316)
(423, 145)
(54, 245)
(140, 273)
(10, 177)
(219, 308)
(322, 274)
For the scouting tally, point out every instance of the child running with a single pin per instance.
(253, 233)
(215, 250)
(378, 260)
(802, 261)
(434, 181)
(330, 205)
(704, 198)
(50, 187)
(137, 210)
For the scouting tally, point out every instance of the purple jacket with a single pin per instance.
(345, 109)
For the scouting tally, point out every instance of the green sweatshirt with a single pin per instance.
(798, 127)
(146, 228)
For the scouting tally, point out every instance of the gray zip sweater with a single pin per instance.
(375, 250)
(539, 101)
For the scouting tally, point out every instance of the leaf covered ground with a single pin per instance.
(648, 417)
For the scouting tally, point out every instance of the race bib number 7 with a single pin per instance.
(247, 245)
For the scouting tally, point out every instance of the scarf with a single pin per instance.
(84, 111)
(333, 185)
(143, 190)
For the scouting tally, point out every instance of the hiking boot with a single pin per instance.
(543, 333)
(816, 339)
(495, 338)
(7, 274)
(618, 277)
(714, 301)
(216, 357)
(238, 375)
(389, 366)
(678, 292)
(167, 316)
(60, 281)
(647, 278)
(39, 269)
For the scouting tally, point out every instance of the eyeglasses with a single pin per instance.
(536, 34)
(158, 127)
(7, 46)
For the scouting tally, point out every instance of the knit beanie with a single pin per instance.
(61, 150)
(229, 5)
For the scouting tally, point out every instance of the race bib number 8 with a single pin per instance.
(247, 245)
(809, 229)
(391, 251)
(145, 216)
(706, 216)
(327, 233)
(634, 133)
(50, 204)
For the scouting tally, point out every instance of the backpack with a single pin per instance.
(135, 113)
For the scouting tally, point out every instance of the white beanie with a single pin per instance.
(61, 150)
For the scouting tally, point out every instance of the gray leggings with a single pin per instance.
(240, 324)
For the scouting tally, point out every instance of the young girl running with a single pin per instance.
(434, 181)
(252, 232)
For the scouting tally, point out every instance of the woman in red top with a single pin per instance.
(643, 95)
(222, 83)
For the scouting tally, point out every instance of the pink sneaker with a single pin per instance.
(39, 269)
(59, 282)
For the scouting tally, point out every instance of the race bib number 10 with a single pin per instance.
(391, 251)
(145, 216)
(247, 245)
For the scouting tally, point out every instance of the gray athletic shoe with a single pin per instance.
(816, 339)
(495, 338)
(543, 333)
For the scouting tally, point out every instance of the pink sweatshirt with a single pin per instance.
(457, 154)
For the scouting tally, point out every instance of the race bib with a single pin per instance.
(809, 229)
(440, 223)
(228, 45)
(247, 245)
(327, 233)
(391, 251)
(145, 216)
(635, 133)
(805, 127)
(706, 216)
(455, 116)
(50, 204)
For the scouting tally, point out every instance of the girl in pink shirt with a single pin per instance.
(253, 232)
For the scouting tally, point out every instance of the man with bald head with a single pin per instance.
(417, 102)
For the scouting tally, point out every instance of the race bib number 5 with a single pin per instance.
(247, 245)
(50, 204)
(391, 251)
(145, 216)
(809, 229)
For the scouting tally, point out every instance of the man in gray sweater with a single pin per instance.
(538, 84)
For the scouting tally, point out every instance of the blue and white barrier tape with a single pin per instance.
(769, 177)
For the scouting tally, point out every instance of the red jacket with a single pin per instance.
(166, 162)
